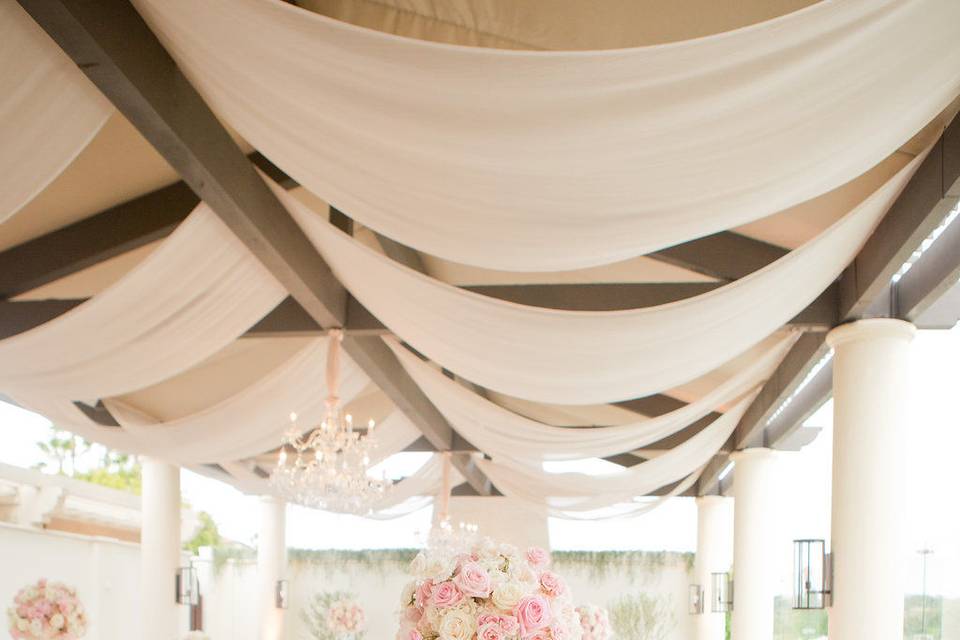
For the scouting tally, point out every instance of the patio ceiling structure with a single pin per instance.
(165, 150)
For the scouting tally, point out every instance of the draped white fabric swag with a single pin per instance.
(583, 492)
(49, 111)
(504, 434)
(196, 293)
(251, 422)
(634, 509)
(577, 357)
(545, 161)
(248, 423)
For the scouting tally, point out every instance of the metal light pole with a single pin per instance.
(924, 553)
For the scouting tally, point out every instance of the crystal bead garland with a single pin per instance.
(328, 466)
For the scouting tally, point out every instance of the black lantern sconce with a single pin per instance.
(812, 575)
(722, 600)
(282, 594)
(187, 586)
(695, 599)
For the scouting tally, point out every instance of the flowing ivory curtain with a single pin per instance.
(633, 509)
(196, 293)
(583, 492)
(252, 421)
(49, 111)
(578, 357)
(415, 491)
(541, 161)
(406, 496)
(504, 434)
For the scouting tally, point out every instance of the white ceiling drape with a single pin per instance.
(195, 294)
(504, 434)
(582, 492)
(49, 111)
(577, 357)
(252, 421)
(545, 161)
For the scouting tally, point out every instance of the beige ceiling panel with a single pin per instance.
(216, 379)
(558, 24)
(92, 280)
(118, 165)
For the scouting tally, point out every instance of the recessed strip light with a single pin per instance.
(927, 243)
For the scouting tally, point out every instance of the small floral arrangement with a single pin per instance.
(595, 622)
(486, 591)
(47, 611)
(335, 616)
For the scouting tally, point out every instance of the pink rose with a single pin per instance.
(487, 618)
(474, 581)
(421, 597)
(490, 631)
(538, 558)
(509, 625)
(552, 584)
(414, 635)
(533, 613)
(446, 594)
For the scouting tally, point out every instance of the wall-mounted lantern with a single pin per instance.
(282, 594)
(722, 600)
(187, 586)
(695, 599)
(812, 569)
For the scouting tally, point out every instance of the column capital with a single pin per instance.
(754, 453)
(711, 500)
(870, 329)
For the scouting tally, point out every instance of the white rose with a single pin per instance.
(22, 624)
(406, 596)
(57, 621)
(440, 567)
(457, 625)
(36, 627)
(419, 565)
(508, 594)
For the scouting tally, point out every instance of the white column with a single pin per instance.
(714, 555)
(271, 566)
(159, 550)
(755, 554)
(870, 429)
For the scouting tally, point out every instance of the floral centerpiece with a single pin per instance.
(486, 591)
(48, 611)
(335, 616)
(594, 622)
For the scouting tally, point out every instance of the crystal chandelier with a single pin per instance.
(328, 467)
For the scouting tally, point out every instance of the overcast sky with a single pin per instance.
(932, 512)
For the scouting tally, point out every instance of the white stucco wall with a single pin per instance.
(105, 572)
(230, 591)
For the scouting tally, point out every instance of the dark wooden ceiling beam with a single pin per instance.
(864, 290)
(725, 256)
(144, 83)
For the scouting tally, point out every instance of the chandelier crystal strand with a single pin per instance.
(327, 467)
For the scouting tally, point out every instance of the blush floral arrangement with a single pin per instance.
(594, 622)
(47, 611)
(486, 591)
(335, 616)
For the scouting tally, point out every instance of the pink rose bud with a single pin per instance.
(473, 580)
(538, 558)
(533, 613)
(446, 594)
